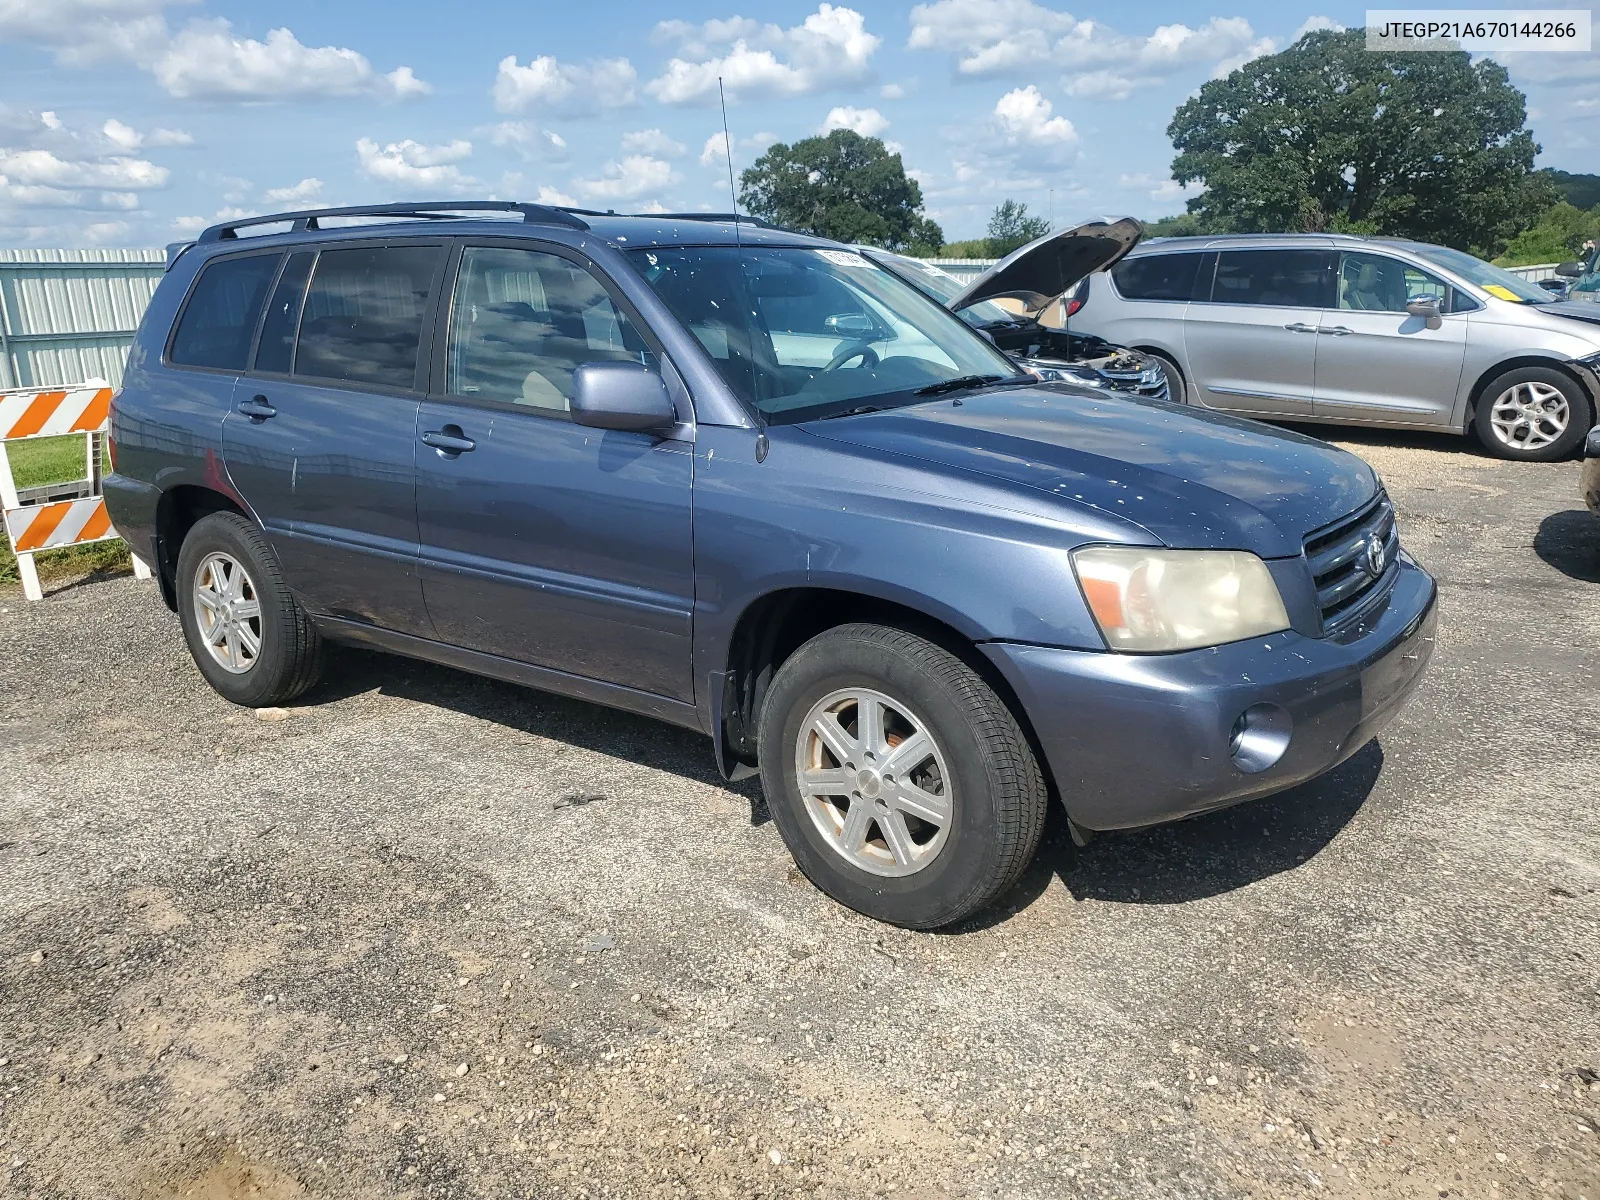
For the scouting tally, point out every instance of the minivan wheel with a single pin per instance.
(1177, 391)
(248, 635)
(899, 780)
(1536, 414)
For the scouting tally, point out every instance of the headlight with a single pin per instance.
(1153, 600)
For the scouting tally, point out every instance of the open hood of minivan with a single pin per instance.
(1040, 271)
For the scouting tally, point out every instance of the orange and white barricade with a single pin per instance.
(55, 515)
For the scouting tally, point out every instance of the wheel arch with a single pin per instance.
(180, 508)
(776, 624)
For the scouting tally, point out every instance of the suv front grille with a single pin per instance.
(1349, 573)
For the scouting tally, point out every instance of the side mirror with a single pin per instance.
(1427, 308)
(855, 326)
(621, 395)
(1569, 270)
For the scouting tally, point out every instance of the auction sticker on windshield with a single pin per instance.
(843, 258)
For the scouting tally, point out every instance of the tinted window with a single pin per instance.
(276, 352)
(219, 321)
(1377, 283)
(1157, 276)
(1287, 278)
(524, 320)
(363, 315)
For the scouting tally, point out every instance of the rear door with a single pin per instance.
(322, 435)
(1375, 362)
(543, 541)
(1252, 348)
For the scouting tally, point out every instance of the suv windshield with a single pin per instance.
(1497, 282)
(800, 333)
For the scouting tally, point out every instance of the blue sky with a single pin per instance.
(135, 122)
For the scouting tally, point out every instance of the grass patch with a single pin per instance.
(56, 460)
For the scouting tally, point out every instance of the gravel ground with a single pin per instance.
(430, 935)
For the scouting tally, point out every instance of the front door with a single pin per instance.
(543, 541)
(1375, 362)
(1253, 347)
(322, 436)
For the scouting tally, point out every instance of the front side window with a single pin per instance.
(1157, 276)
(1377, 283)
(219, 322)
(799, 333)
(363, 315)
(524, 320)
(1281, 278)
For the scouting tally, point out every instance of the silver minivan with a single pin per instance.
(1360, 331)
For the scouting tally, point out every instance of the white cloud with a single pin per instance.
(189, 225)
(1023, 117)
(208, 61)
(868, 122)
(564, 89)
(633, 177)
(1312, 25)
(49, 120)
(550, 195)
(999, 37)
(98, 233)
(414, 165)
(530, 141)
(892, 91)
(715, 152)
(830, 47)
(43, 168)
(300, 193)
(128, 138)
(82, 31)
(654, 142)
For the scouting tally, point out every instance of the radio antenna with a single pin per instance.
(727, 150)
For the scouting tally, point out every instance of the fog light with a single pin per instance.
(1259, 737)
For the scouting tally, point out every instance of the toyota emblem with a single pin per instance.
(1377, 557)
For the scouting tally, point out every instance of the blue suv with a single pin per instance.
(751, 483)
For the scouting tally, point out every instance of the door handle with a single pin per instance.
(257, 408)
(1301, 327)
(1337, 330)
(449, 441)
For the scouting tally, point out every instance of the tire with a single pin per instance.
(1503, 419)
(1177, 389)
(287, 658)
(977, 767)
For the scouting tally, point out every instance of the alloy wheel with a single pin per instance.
(1529, 416)
(228, 612)
(874, 781)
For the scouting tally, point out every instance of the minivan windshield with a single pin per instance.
(1497, 282)
(945, 287)
(800, 333)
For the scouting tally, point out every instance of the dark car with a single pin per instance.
(747, 482)
(1045, 270)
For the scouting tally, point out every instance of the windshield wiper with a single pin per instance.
(855, 412)
(962, 382)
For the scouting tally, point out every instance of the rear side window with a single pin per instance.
(1157, 276)
(363, 315)
(1284, 278)
(276, 352)
(219, 322)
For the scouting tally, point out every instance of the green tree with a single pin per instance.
(1010, 226)
(843, 186)
(1328, 135)
(1558, 236)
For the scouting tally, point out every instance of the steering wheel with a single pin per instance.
(861, 350)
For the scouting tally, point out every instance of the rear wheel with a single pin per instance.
(899, 780)
(1535, 414)
(248, 635)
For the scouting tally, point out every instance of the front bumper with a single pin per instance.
(1589, 484)
(1134, 740)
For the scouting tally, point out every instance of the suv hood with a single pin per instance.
(1578, 310)
(1040, 271)
(1192, 479)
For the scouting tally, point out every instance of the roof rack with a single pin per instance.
(532, 214)
(711, 216)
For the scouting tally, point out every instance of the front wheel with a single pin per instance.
(1535, 414)
(900, 781)
(247, 633)
(1177, 392)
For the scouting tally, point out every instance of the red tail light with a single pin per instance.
(1074, 304)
